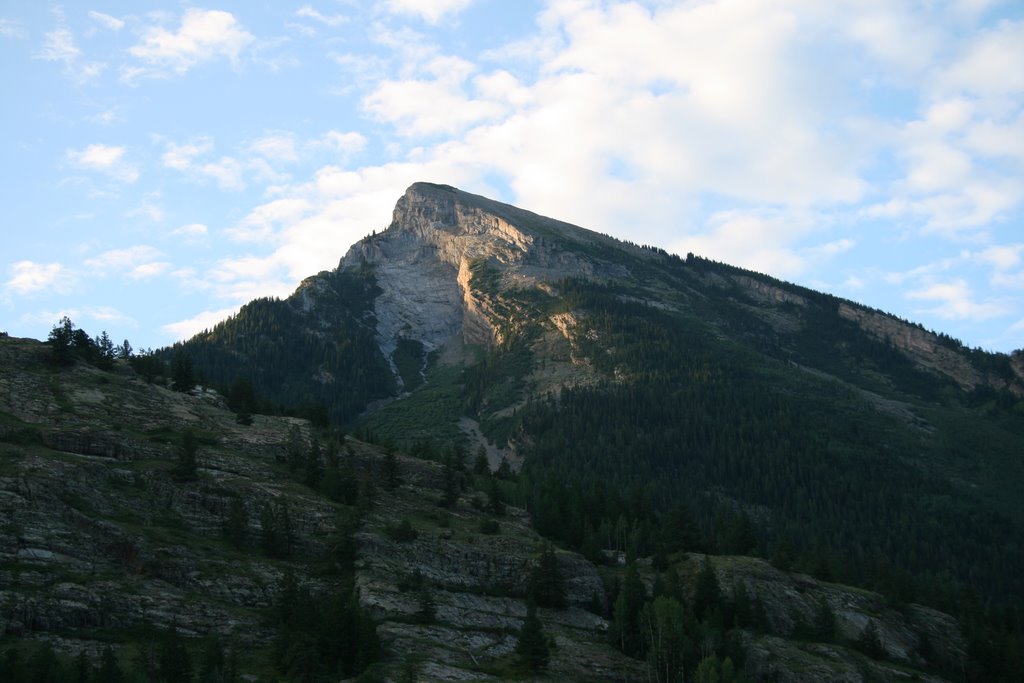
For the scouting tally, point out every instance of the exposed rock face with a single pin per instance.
(423, 261)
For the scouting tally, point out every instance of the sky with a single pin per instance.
(162, 163)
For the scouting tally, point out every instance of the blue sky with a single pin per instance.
(163, 163)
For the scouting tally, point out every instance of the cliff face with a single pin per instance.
(424, 261)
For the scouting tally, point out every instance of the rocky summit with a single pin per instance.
(491, 445)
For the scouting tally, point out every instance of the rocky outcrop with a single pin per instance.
(921, 346)
(422, 264)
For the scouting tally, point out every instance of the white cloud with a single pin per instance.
(342, 143)
(10, 28)
(761, 241)
(192, 230)
(203, 36)
(279, 147)
(227, 172)
(957, 301)
(107, 21)
(180, 157)
(308, 12)
(107, 159)
(992, 65)
(137, 262)
(183, 329)
(28, 277)
(59, 46)
(431, 11)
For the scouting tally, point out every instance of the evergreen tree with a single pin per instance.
(105, 352)
(182, 378)
(870, 641)
(124, 351)
(187, 467)
(174, 662)
(532, 645)
(236, 526)
(60, 341)
(480, 463)
(426, 612)
(663, 623)
(213, 665)
(495, 504)
(824, 626)
(314, 468)
(706, 594)
(625, 631)
(545, 587)
(110, 670)
(391, 477)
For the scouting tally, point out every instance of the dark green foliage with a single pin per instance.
(532, 646)
(391, 475)
(323, 638)
(626, 631)
(663, 622)
(60, 341)
(403, 532)
(489, 527)
(706, 593)
(276, 536)
(325, 357)
(409, 361)
(495, 504)
(186, 468)
(182, 377)
(870, 641)
(110, 669)
(105, 352)
(426, 610)
(824, 626)
(174, 662)
(545, 587)
(236, 525)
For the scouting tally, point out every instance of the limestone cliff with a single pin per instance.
(424, 262)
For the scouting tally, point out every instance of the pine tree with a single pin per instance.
(391, 478)
(706, 594)
(546, 587)
(625, 629)
(187, 467)
(182, 378)
(426, 613)
(532, 645)
(105, 352)
(60, 341)
(870, 641)
(236, 526)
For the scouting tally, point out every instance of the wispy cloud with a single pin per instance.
(309, 12)
(431, 11)
(107, 159)
(139, 262)
(957, 301)
(183, 329)
(106, 20)
(59, 45)
(202, 36)
(28, 277)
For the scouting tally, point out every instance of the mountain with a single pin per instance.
(615, 373)
(119, 563)
(750, 470)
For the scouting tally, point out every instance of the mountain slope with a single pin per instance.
(627, 381)
(249, 569)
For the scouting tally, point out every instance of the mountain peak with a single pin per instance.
(439, 237)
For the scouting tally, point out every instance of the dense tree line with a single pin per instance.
(314, 349)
